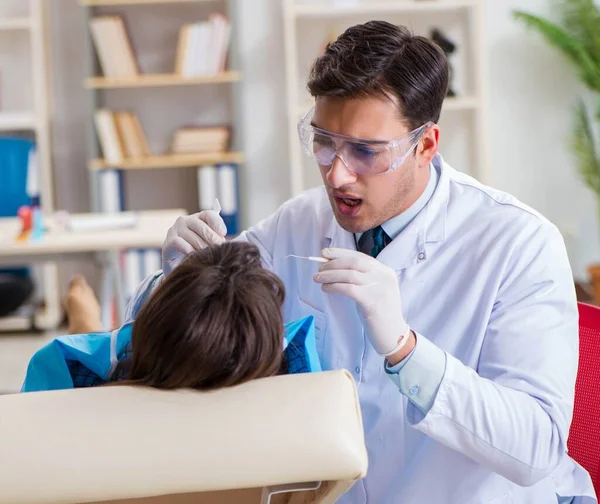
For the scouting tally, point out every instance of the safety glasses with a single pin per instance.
(363, 157)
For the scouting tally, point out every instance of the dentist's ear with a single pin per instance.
(428, 145)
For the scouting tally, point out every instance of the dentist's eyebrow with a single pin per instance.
(356, 139)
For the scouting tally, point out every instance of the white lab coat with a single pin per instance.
(487, 280)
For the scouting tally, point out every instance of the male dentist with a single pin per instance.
(450, 302)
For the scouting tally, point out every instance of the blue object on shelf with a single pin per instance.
(14, 160)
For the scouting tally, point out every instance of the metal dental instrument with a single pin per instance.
(309, 258)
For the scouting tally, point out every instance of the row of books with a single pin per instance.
(213, 181)
(120, 135)
(202, 47)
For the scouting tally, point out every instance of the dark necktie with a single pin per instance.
(373, 241)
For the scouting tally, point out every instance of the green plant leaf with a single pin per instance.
(576, 51)
(584, 147)
(581, 19)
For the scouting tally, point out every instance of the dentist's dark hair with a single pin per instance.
(379, 59)
(214, 322)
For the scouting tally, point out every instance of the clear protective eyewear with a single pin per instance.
(361, 156)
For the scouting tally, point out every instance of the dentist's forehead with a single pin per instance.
(366, 118)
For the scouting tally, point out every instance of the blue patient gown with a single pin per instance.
(87, 360)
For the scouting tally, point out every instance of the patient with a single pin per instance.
(214, 322)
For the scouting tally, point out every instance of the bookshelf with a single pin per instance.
(160, 80)
(307, 26)
(176, 96)
(169, 161)
(17, 121)
(112, 3)
(26, 112)
(24, 23)
(374, 7)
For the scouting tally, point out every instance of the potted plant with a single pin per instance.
(578, 38)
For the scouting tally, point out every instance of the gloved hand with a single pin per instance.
(190, 233)
(374, 288)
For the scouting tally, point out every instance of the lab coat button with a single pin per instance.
(422, 256)
(414, 390)
(357, 369)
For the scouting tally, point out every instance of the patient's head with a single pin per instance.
(215, 321)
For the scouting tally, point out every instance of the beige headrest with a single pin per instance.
(120, 442)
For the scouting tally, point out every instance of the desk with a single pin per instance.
(59, 245)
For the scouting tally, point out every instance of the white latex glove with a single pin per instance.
(190, 233)
(374, 288)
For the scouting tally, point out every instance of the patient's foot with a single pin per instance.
(83, 309)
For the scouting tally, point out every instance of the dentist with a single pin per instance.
(450, 302)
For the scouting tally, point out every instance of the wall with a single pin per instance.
(530, 89)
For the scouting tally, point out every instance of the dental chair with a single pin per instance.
(294, 439)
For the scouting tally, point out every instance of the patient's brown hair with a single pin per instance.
(214, 322)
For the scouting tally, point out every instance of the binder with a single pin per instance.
(151, 262)
(229, 196)
(131, 273)
(207, 187)
(111, 191)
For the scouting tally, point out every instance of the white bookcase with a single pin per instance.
(24, 60)
(308, 24)
(163, 100)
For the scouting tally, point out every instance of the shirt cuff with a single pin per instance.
(420, 374)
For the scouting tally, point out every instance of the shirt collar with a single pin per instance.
(394, 226)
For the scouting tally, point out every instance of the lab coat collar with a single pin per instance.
(410, 247)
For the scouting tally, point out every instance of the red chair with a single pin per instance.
(584, 436)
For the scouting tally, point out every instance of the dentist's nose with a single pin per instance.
(339, 174)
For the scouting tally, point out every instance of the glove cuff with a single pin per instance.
(400, 344)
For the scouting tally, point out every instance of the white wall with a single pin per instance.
(531, 91)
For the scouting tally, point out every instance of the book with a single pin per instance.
(115, 53)
(131, 135)
(108, 135)
(141, 136)
(200, 139)
(228, 196)
(132, 277)
(207, 187)
(110, 191)
(151, 262)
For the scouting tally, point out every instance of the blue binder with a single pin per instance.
(14, 159)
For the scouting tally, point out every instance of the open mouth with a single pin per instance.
(351, 202)
(348, 207)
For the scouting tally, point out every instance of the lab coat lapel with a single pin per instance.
(414, 245)
(404, 250)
